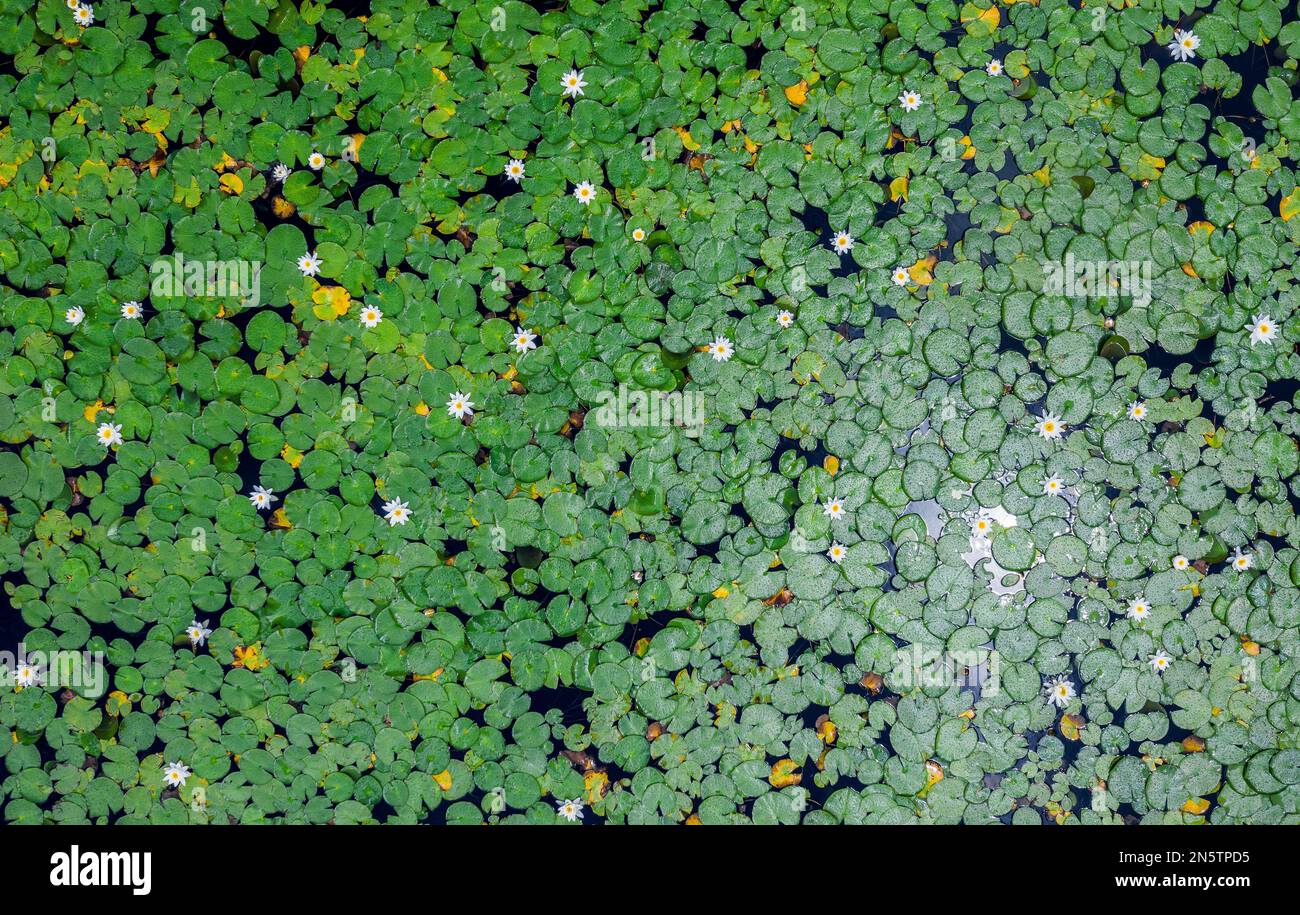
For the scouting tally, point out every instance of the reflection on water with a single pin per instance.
(979, 556)
(933, 515)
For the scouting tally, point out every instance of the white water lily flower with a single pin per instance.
(994, 68)
(1184, 45)
(1049, 426)
(309, 264)
(109, 434)
(315, 161)
(515, 170)
(638, 234)
(910, 100)
(570, 810)
(1052, 486)
(1262, 329)
(132, 310)
(176, 774)
(900, 276)
(1181, 563)
(836, 553)
(834, 509)
(1242, 561)
(721, 349)
(1137, 410)
(573, 83)
(524, 340)
(27, 674)
(981, 527)
(1059, 691)
(397, 512)
(784, 318)
(1138, 609)
(843, 243)
(460, 405)
(74, 315)
(84, 15)
(371, 316)
(280, 172)
(585, 193)
(261, 497)
(198, 632)
(1159, 661)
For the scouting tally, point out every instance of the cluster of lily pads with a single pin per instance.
(870, 412)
